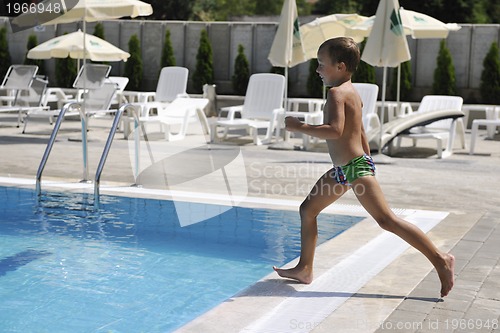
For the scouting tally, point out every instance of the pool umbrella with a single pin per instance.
(419, 25)
(415, 24)
(78, 45)
(386, 45)
(316, 32)
(68, 11)
(286, 50)
(82, 10)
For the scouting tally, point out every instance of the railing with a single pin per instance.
(105, 152)
(104, 155)
(48, 149)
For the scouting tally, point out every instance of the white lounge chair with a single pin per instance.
(443, 130)
(172, 83)
(180, 113)
(97, 100)
(263, 101)
(20, 95)
(121, 83)
(491, 122)
(368, 93)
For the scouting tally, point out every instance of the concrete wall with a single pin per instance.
(468, 47)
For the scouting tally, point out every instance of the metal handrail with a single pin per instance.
(48, 149)
(107, 147)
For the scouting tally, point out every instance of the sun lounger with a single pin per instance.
(399, 126)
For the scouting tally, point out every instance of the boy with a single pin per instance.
(353, 166)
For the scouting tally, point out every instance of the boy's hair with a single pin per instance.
(342, 49)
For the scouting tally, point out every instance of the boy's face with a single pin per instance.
(329, 73)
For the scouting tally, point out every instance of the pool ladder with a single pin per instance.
(104, 155)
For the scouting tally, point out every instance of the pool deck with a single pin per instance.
(385, 287)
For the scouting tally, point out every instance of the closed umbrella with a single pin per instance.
(287, 50)
(72, 45)
(386, 45)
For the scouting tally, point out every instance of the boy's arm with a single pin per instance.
(335, 114)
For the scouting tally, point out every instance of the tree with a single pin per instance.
(490, 76)
(66, 72)
(172, 9)
(314, 82)
(444, 74)
(5, 61)
(133, 66)
(405, 85)
(204, 72)
(241, 72)
(167, 52)
(365, 73)
(99, 30)
(32, 42)
(325, 7)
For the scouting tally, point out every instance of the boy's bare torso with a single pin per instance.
(350, 144)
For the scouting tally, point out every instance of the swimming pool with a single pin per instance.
(130, 267)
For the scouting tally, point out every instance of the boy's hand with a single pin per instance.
(292, 124)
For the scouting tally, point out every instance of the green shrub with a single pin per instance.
(490, 76)
(167, 52)
(405, 86)
(365, 73)
(277, 70)
(99, 30)
(444, 74)
(314, 82)
(133, 66)
(204, 72)
(241, 72)
(5, 61)
(32, 42)
(66, 71)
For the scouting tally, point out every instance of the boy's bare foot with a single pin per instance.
(447, 274)
(301, 275)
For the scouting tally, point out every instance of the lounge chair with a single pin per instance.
(399, 126)
(20, 96)
(180, 112)
(440, 130)
(369, 93)
(172, 83)
(97, 99)
(263, 102)
(121, 83)
(491, 122)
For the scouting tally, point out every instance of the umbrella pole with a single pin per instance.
(384, 82)
(398, 94)
(285, 104)
(84, 116)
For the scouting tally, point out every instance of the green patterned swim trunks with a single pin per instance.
(357, 167)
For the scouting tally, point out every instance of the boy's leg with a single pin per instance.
(370, 195)
(324, 193)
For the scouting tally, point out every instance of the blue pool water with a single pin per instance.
(130, 267)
